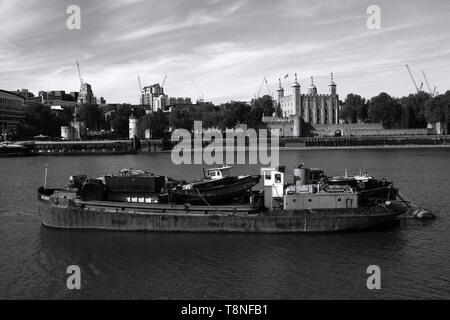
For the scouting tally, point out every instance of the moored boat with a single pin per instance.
(15, 150)
(278, 208)
(218, 187)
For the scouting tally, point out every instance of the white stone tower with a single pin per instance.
(133, 125)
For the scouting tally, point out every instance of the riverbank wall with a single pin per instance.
(314, 143)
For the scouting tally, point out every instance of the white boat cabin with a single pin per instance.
(218, 173)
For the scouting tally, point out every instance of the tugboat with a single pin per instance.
(304, 206)
(218, 187)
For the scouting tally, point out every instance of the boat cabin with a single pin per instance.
(307, 191)
(218, 173)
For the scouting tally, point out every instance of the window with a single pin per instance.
(278, 178)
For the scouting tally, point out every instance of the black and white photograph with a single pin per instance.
(224, 155)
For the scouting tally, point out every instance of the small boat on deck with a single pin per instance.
(369, 187)
(218, 187)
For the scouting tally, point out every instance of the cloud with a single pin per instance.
(226, 47)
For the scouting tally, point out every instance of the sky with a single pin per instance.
(223, 49)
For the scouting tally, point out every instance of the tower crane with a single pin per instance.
(268, 88)
(412, 78)
(260, 89)
(199, 97)
(140, 84)
(140, 88)
(432, 92)
(261, 86)
(79, 73)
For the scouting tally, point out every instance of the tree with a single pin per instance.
(414, 105)
(223, 117)
(157, 122)
(40, 120)
(265, 104)
(354, 109)
(240, 112)
(436, 109)
(385, 109)
(183, 118)
(120, 120)
(92, 116)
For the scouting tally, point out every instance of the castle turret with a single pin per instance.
(298, 110)
(332, 86)
(280, 92)
(334, 100)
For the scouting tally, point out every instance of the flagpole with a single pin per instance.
(45, 177)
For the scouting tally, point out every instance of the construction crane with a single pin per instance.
(268, 88)
(79, 73)
(140, 89)
(140, 84)
(412, 78)
(201, 97)
(260, 89)
(432, 92)
(261, 86)
(426, 81)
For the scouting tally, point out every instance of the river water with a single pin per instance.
(414, 258)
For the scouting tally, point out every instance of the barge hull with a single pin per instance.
(104, 218)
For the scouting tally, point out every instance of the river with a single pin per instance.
(414, 258)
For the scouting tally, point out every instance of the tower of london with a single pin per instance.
(312, 107)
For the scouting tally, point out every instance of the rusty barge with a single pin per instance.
(305, 206)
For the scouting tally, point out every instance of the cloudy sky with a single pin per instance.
(223, 48)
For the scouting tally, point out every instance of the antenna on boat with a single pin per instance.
(45, 177)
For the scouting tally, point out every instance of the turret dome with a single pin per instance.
(312, 88)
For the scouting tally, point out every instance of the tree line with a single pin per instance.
(227, 115)
(40, 119)
(416, 109)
